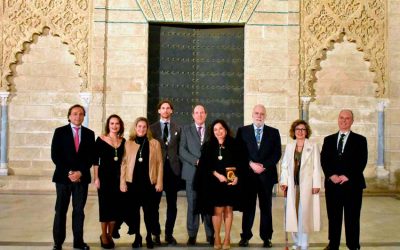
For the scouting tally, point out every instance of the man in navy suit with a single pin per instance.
(263, 144)
(192, 137)
(168, 134)
(344, 156)
(72, 153)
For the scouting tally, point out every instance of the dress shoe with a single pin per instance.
(170, 240)
(149, 242)
(138, 241)
(226, 247)
(267, 244)
(243, 242)
(57, 247)
(157, 240)
(217, 246)
(191, 241)
(82, 246)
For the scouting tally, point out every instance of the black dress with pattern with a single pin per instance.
(210, 191)
(109, 174)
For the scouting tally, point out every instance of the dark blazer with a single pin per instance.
(67, 159)
(173, 146)
(268, 154)
(352, 162)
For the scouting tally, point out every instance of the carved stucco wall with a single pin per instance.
(324, 21)
(68, 19)
(201, 11)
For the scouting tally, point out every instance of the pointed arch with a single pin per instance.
(324, 22)
(23, 19)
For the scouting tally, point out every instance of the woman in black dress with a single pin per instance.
(109, 151)
(217, 180)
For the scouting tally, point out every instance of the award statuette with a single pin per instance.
(230, 173)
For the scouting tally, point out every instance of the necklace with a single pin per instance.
(220, 155)
(141, 149)
(115, 146)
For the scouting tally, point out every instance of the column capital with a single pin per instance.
(382, 104)
(305, 99)
(4, 96)
(86, 97)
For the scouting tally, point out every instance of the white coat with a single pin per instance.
(310, 177)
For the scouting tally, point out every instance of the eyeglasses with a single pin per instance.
(300, 129)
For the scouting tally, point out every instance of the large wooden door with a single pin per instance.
(197, 64)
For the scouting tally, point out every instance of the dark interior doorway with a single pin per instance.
(197, 64)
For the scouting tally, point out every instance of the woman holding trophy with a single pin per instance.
(217, 179)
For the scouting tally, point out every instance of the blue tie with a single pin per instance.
(258, 136)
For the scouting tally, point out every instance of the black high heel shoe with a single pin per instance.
(103, 245)
(149, 242)
(138, 241)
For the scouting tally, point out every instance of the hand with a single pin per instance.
(257, 168)
(97, 183)
(220, 177)
(75, 176)
(158, 188)
(315, 190)
(343, 179)
(283, 187)
(234, 182)
(335, 179)
(123, 187)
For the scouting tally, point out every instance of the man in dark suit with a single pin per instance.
(72, 153)
(344, 156)
(192, 138)
(263, 144)
(168, 134)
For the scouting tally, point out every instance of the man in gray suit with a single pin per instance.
(192, 137)
(168, 133)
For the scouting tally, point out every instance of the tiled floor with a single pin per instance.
(26, 223)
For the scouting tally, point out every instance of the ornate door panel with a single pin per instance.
(197, 64)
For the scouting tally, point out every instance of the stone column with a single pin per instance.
(305, 103)
(381, 172)
(3, 133)
(86, 98)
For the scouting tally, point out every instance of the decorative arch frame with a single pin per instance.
(324, 21)
(22, 19)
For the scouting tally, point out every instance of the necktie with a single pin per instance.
(258, 136)
(199, 131)
(76, 138)
(165, 133)
(340, 145)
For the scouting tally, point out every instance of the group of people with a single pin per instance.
(221, 174)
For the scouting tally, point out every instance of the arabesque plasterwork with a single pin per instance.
(68, 19)
(325, 21)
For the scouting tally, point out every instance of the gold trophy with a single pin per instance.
(230, 174)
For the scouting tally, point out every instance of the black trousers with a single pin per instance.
(171, 187)
(264, 193)
(79, 193)
(345, 198)
(147, 199)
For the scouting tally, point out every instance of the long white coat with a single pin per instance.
(310, 177)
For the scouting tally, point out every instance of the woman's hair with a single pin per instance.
(121, 123)
(297, 123)
(133, 133)
(213, 139)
